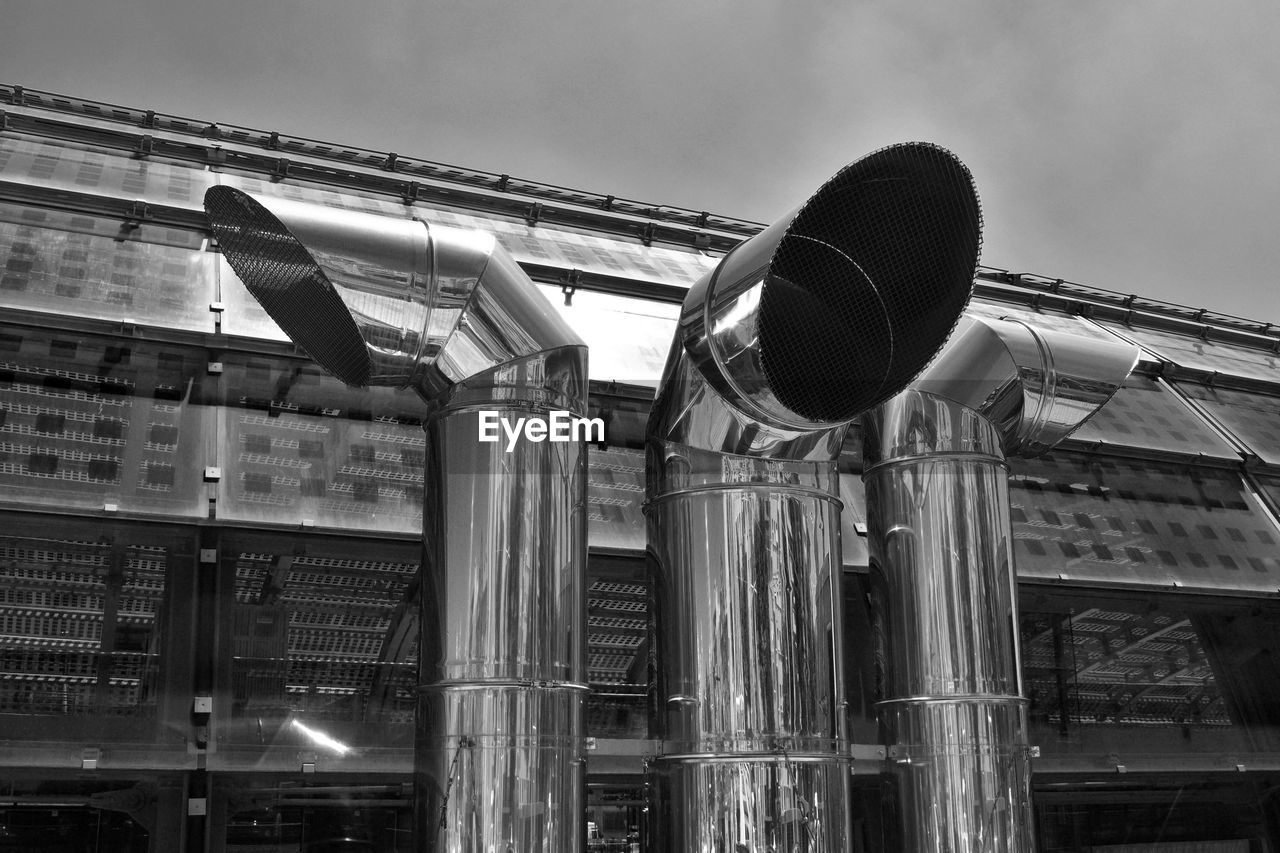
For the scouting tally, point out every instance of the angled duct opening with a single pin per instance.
(868, 280)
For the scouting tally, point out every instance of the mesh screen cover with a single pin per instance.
(283, 276)
(869, 281)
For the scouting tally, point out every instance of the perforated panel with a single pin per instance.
(869, 281)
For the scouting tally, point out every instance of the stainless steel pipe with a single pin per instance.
(448, 314)
(822, 315)
(944, 588)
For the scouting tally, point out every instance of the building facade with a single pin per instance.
(210, 548)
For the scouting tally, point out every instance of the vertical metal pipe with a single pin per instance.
(500, 740)
(943, 585)
(449, 314)
(945, 593)
(827, 312)
(746, 562)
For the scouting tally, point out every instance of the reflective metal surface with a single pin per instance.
(383, 301)
(944, 594)
(1035, 385)
(839, 304)
(500, 749)
(502, 653)
(798, 330)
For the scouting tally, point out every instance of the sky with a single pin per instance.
(1123, 144)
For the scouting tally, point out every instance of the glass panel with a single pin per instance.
(1145, 414)
(100, 226)
(101, 423)
(1192, 814)
(1038, 319)
(320, 652)
(1135, 676)
(298, 446)
(552, 246)
(1252, 418)
(61, 272)
(629, 338)
(84, 630)
(346, 199)
(617, 654)
(242, 315)
(615, 492)
(1092, 520)
(1204, 355)
(337, 815)
(106, 172)
(80, 816)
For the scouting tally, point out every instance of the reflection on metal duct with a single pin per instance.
(503, 665)
(824, 314)
(943, 582)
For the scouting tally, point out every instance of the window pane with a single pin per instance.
(1252, 418)
(78, 168)
(1091, 520)
(101, 423)
(298, 446)
(321, 651)
(1144, 414)
(558, 247)
(85, 651)
(1205, 355)
(629, 338)
(1038, 319)
(294, 190)
(61, 272)
(615, 492)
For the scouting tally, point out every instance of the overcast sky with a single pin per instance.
(1125, 144)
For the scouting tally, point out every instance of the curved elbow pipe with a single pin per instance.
(829, 311)
(942, 573)
(797, 331)
(382, 301)
(446, 312)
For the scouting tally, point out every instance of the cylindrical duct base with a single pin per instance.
(964, 773)
(748, 804)
(501, 768)
(500, 741)
(744, 565)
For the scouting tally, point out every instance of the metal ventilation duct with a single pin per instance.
(378, 301)
(944, 590)
(826, 313)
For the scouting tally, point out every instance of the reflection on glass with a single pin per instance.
(617, 651)
(629, 338)
(79, 816)
(316, 639)
(79, 168)
(594, 253)
(340, 816)
(1205, 355)
(80, 627)
(294, 190)
(1038, 319)
(100, 423)
(62, 272)
(1156, 815)
(1096, 520)
(1251, 417)
(615, 492)
(99, 226)
(1144, 414)
(300, 447)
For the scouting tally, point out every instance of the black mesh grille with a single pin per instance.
(282, 275)
(869, 281)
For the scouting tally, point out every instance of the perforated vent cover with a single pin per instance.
(869, 281)
(290, 285)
